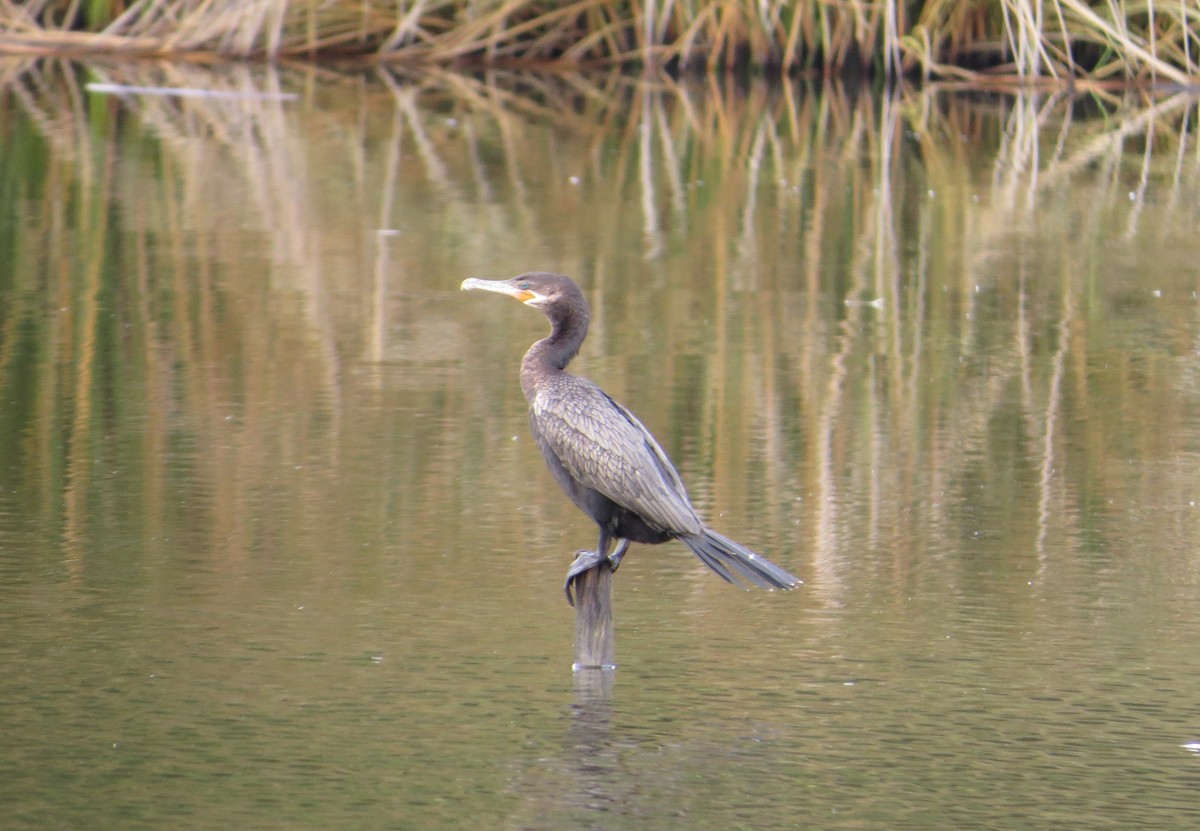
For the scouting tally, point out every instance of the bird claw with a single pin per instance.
(614, 559)
(584, 561)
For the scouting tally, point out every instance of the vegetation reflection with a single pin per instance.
(188, 292)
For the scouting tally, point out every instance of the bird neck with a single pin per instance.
(551, 354)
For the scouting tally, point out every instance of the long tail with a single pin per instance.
(738, 564)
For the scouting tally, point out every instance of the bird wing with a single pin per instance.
(604, 447)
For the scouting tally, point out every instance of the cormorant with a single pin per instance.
(602, 456)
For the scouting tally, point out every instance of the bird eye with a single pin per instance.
(524, 284)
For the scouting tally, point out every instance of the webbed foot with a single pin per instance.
(584, 560)
(614, 559)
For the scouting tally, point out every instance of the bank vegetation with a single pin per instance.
(1109, 42)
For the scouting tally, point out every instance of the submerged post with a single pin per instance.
(594, 641)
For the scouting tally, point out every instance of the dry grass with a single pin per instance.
(1017, 40)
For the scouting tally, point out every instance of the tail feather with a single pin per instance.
(737, 564)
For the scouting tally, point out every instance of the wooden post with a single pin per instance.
(594, 641)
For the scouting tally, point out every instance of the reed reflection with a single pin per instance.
(250, 279)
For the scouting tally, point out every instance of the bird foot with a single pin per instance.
(587, 560)
(614, 559)
(584, 561)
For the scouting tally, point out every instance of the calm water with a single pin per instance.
(276, 550)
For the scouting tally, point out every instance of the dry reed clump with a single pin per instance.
(977, 39)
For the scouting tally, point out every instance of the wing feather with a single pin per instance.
(604, 446)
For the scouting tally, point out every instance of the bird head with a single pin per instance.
(540, 289)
